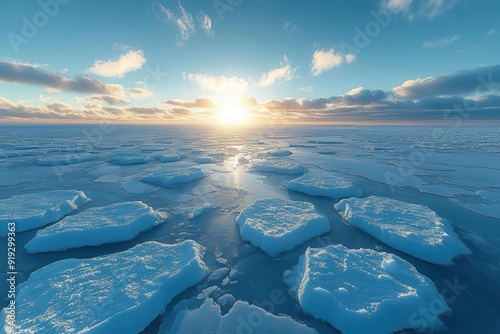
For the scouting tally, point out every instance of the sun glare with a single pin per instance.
(232, 111)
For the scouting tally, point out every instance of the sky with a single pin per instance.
(250, 61)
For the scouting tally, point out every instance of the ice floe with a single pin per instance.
(128, 158)
(410, 228)
(117, 293)
(242, 318)
(67, 159)
(364, 291)
(30, 211)
(279, 166)
(276, 225)
(97, 226)
(331, 185)
(166, 176)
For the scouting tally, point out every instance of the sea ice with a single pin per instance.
(364, 291)
(203, 320)
(166, 176)
(276, 225)
(242, 318)
(97, 226)
(279, 166)
(67, 159)
(204, 160)
(117, 293)
(128, 159)
(30, 211)
(168, 157)
(246, 318)
(324, 184)
(410, 228)
(281, 153)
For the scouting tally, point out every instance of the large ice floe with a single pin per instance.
(30, 211)
(242, 318)
(319, 183)
(167, 176)
(278, 166)
(97, 226)
(410, 228)
(364, 291)
(276, 225)
(118, 293)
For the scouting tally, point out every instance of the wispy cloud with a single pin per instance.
(283, 73)
(324, 60)
(198, 103)
(34, 74)
(206, 24)
(290, 27)
(396, 6)
(491, 32)
(219, 84)
(306, 89)
(441, 43)
(130, 61)
(414, 8)
(182, 20)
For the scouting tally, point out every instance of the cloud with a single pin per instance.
(139, 92)
(182, 20)
(283, 73)
(198, 103)
(100, 100)
(326, 60)
(441, 43)
(363, 96)
(219, 84)
(415, 8)
(463, 82)
(33, 74)
(433, 8)
(306, 89)
(491, 32)
(290, 27)
(206, 24)
(131, 61)
(396, 6)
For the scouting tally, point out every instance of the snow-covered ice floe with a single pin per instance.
(123, 159)
(410, 228)
(276, 225)
(364, 291)
(67, 159)
(167, 176)
(162, 157)
(281, 153)
(30, 211)
(279, 166)
(324, 184)
(242, 318)
(97, 226)
(118, 293)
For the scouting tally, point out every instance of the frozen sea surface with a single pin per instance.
(454, 171)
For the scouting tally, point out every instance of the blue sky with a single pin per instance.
(336, 61)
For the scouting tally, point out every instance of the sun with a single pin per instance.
(232, 110)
